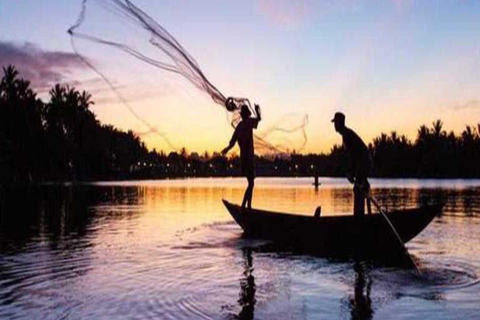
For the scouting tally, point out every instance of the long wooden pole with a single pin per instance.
(392, 228)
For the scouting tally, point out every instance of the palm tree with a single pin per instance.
(468, 135)
(85, 99)
(422, 134)
(437, 129)
(8, 83)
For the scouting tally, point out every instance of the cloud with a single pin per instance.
(42, 68)
(471, 104)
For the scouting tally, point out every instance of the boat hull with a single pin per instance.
(335, 234)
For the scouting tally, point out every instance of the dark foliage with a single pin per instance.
(434, 154)
(61, 140)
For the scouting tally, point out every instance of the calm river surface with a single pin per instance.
(170, 250)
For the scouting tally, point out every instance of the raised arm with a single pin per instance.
(258, 112)
(259, 115)
(232, 142)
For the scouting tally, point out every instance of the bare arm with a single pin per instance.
(350, 170)
(232, 142)
(350, 165)
(347, 150)
(259, 116)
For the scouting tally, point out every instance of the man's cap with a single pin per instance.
(338, 117)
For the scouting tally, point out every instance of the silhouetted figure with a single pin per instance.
(244, 136)
(361, 304)
(359, 164)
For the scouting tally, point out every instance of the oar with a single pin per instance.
(384, 215)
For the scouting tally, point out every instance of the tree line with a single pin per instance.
(62, 140)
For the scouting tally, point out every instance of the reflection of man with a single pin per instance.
(359, 164)
(247, 299)
(361, 304)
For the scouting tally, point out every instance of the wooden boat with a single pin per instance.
(335, 234)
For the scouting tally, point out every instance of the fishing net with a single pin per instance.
(121, 25)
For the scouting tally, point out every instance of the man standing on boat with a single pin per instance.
(359, 164)
(243, 134)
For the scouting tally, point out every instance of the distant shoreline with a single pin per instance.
(62, 140)
(240, 178)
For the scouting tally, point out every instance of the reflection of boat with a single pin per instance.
(334, 234)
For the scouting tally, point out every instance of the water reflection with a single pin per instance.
(115, 251)
(361, 303)
(58, 215)
(247, 288)
(46, 243)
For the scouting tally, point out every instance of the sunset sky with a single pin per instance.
(388, 65)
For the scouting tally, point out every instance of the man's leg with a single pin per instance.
(358, 201)
(358, 197)
(367, 192)
(245, 196)
(251, 184)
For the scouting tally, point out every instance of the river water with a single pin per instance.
(170, 250)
